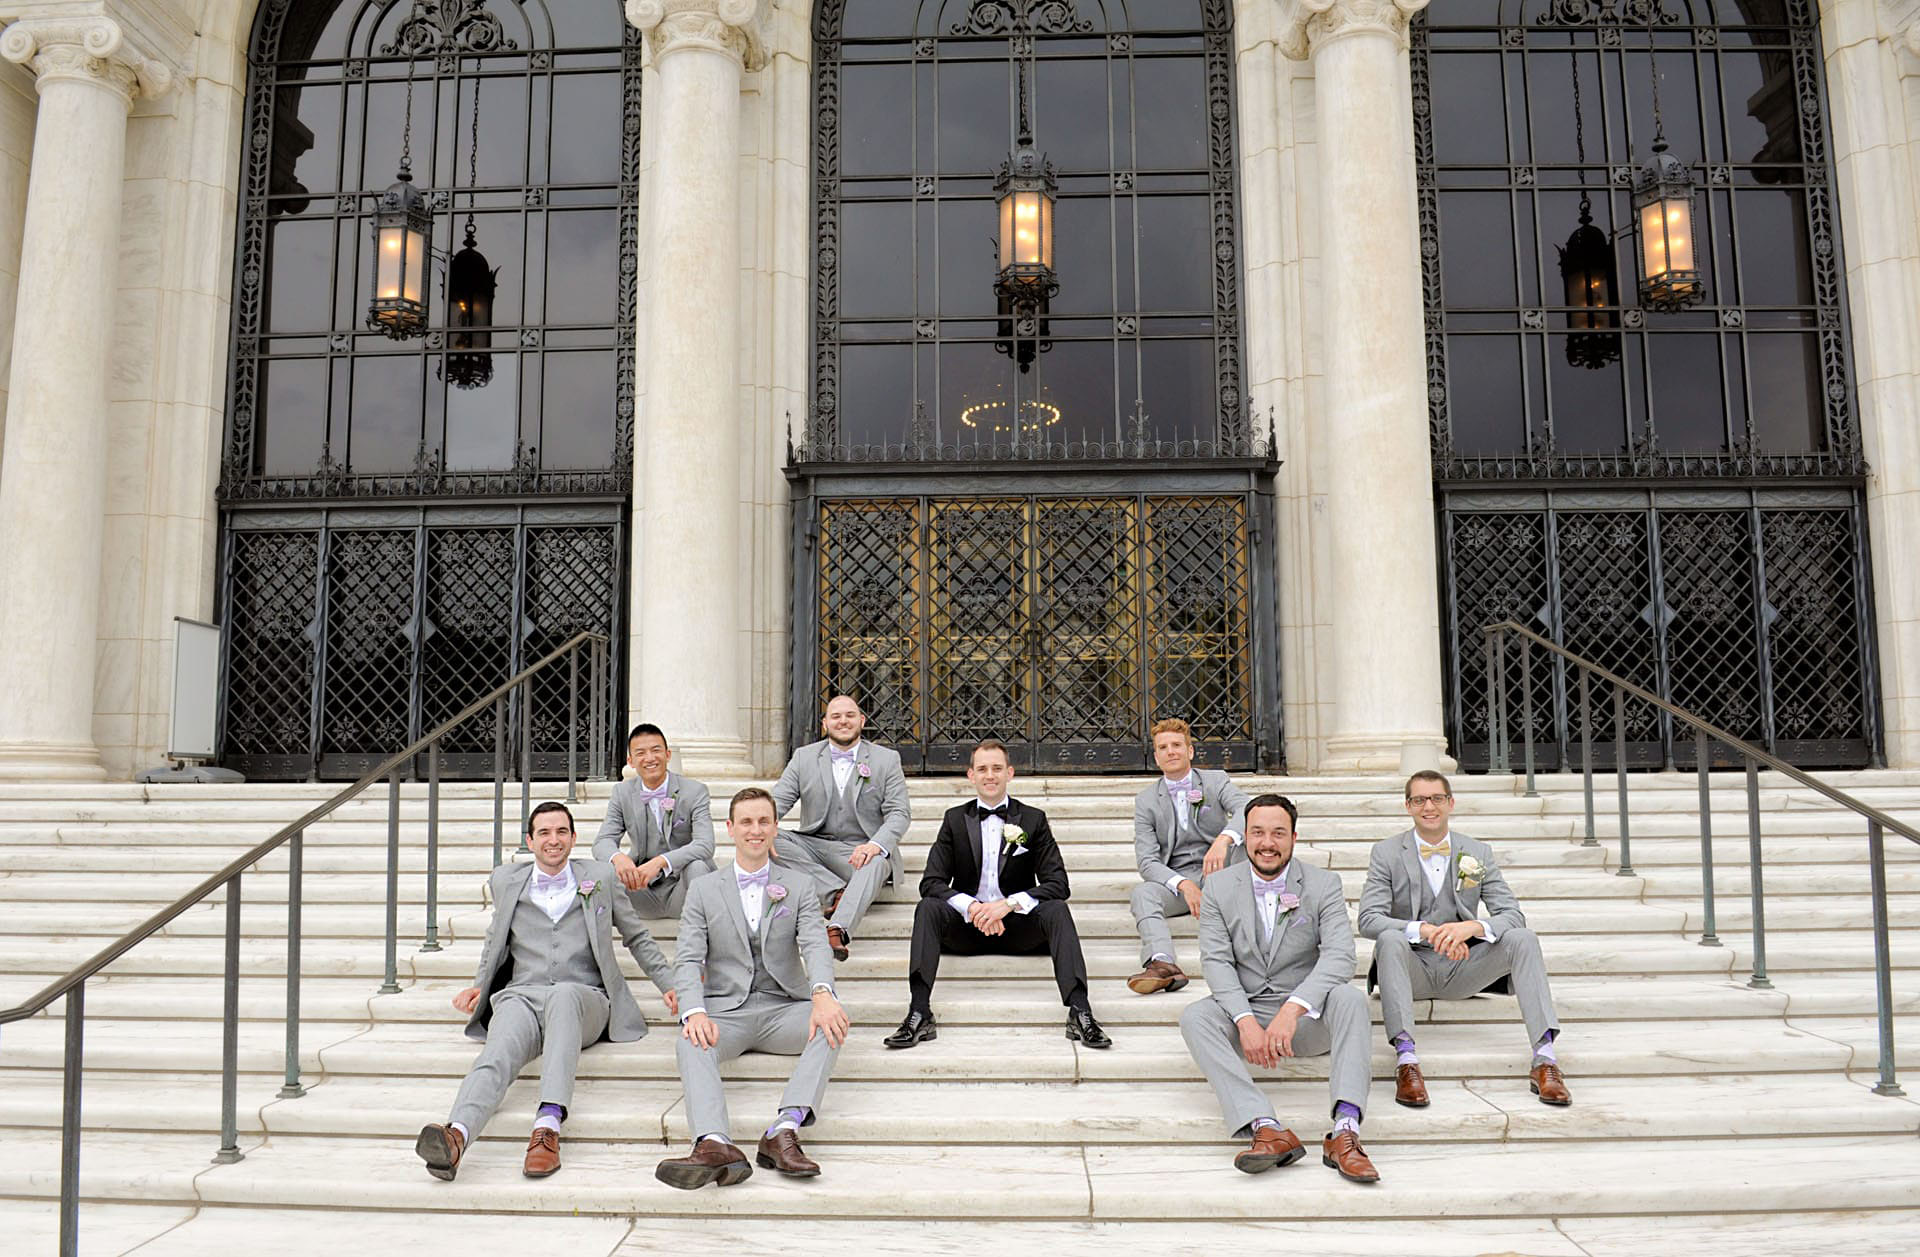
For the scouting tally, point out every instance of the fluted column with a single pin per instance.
(53, 471)
(686, 654)
(1385, 605)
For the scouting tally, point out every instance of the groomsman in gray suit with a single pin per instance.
(754, 975)
(548, 985)
(853, 813)
(665, 821)
(1186, 828)
(1278, 953)
(1445, 925)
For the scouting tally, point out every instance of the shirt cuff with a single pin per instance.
(668, 861)
(1173, 883)
(1232, 836)
(690, 1012)
(1413, 932)
(818, 987)
(1311, 1012)
(960, 902)
(1022, 902)
(1492, 935)
(1242, 1017)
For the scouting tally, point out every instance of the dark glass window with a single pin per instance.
(1132, 105)
(525, 125)
(1526, 110)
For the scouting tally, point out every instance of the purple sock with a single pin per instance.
(1346, 1117)
(789, 1119)
(549, 1116)
(1402, 1045)
(1543, 1050)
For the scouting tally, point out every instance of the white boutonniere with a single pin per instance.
(1014, 837)
(1469, 870)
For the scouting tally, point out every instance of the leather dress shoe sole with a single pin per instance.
(1260, 1162)
(1151, 984)
(691, 1177)
(839, 949)
(436, 1150)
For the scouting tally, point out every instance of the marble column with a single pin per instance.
(53, 469)
(1384, 602)
(687, 656)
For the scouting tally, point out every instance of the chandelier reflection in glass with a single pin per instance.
(471, 284)
(1587, 273)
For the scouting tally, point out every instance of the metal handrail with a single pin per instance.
(1878, 822)
(72, 985)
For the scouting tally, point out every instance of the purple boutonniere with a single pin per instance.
(1288, 902)
(587, 889)
(866, 771)
(1194, 795)
(666, 805)
(776, 892)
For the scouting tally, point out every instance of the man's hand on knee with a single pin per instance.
(865, 852)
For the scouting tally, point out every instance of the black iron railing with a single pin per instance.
(517, 692)
(1708, 740)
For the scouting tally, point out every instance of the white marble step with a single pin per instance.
(1517, 1180)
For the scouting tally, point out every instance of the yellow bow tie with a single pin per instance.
(1427, 852)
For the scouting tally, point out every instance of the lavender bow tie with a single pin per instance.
(557, 881)
(654, 795)
(752, 879)
(841, 757)
(1277, 886)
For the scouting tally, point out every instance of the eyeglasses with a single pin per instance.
(1422, 800)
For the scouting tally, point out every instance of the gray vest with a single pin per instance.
(762, 980)
(842, 820)
(1189, 846)
(546, 952)
(1440, 909)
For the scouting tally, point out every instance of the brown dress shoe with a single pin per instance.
(781, 1151)
(1548, 1083)
(1159, 975)
(711, 1161)
(831, 902)
(543, 1153)
(1409, 1088)
(1272, 1146)
(838, 940)
(440, 1147)
(1342, 1151)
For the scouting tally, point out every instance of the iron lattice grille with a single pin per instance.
(1060, 625)
(1743, 607)
(272, 622)
(345, 643)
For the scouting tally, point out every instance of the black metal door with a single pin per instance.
(1748, 607)
(351, 632)
(1062, 624)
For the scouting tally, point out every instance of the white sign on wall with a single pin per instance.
(196, 690)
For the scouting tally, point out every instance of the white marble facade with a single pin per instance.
(1324, 114)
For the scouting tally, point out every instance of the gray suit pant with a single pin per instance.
(1152, 904)
(666, 895)
(1340, 1029)
(825, 861)
(765, 1023)
(560, 1019)
(1407, 973)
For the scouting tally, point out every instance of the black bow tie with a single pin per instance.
(985, 811)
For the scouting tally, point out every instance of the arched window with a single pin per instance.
(918, 107)
(521, 119)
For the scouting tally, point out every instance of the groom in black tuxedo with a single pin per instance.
(1012, 903)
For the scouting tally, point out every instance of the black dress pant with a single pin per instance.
(1048, 928)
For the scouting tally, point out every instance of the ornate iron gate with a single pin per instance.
(350, 632)
(1061, 624)
(1747, 606)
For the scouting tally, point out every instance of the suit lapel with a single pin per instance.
(767, 905)
(1410, 856)
(729, 891)
(666, 816)
(1280, 923)
(975, 841)
(597, 938)
(852, 792)
(503, 911)
(1004, 856)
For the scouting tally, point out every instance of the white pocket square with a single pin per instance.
(1015, 851)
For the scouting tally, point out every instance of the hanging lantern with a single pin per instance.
(470, 287)
(1663, 209)
(400, 251)
(1588, 280)
(1026, 280)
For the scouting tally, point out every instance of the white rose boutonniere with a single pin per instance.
(1014, 837)
(1470, 871)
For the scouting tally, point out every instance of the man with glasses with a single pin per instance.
(1445, 925)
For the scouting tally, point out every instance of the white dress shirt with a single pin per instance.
(553, 900)
(990, 830)
(1437, 867)
(842, 768)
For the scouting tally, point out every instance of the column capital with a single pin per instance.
(1307, 24)
(734, 27)
(85, 48)
(1900, 21)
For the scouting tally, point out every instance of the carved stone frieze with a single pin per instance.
(88, 48)
(1307, 24)
(734, 27)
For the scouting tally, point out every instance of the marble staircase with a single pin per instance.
(1720, 1117)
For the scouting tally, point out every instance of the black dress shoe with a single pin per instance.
(917, 1028)
(1082, 1026)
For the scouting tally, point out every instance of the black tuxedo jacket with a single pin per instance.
(953, 863)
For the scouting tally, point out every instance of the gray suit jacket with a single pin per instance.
(508, 885)
(880, 801)
(714, 969)
(1311, 951)
(689, 823)
(1156, 821)
(1396, 891)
